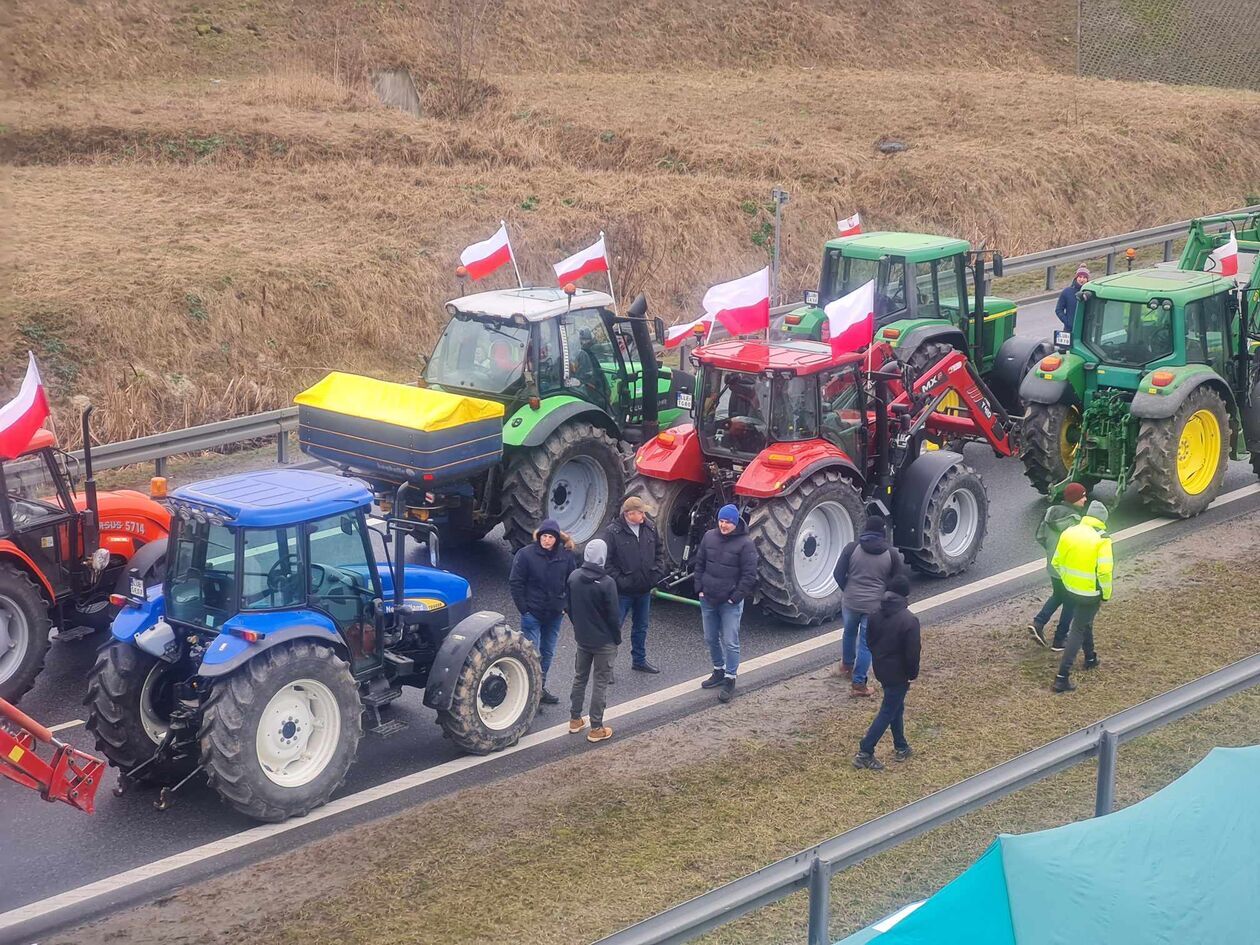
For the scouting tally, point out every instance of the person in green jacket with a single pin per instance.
(1084, 564)
(1058, 519)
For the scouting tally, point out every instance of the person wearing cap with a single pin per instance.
(863, 572)
(636, 561)
(894, 638)
(540, 585)
(596, 619)
(725, 576)
(1058, 519)
(1065, 308)
(1084, 563)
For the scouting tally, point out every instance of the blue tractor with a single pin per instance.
(276, 635)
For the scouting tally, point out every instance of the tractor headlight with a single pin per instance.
(100, 559)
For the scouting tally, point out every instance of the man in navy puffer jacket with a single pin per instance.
(725, 576)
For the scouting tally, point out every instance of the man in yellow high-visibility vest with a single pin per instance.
(1083, 562)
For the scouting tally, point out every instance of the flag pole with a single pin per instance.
(608, 272)
(512, 254)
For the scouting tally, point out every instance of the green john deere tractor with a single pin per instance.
(1158, 384)
(929, 297)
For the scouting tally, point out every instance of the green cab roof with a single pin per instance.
(1179, 285)
(916, 247)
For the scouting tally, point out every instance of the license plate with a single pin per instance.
(1062, 339)
(137, 588)
(684, 401)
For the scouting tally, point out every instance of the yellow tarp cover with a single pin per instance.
(416, 408)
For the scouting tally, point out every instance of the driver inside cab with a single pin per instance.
(588, 370)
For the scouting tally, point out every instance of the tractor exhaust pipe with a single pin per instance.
(650, 377)
(91, 524)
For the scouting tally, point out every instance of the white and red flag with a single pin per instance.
(851, 226)
(851, 319)
(1224, 259)
(742, 306)
(481, 259)
(679, 333)
(24, 414)
(582, 263)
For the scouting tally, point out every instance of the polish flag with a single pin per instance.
(679, 333)
(582, 263)
(851, 319)
(481, 259)
(851, 226)
(23, 415)
(1224, 261)
(742, 305)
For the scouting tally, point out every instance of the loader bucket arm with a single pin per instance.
(71, 776)
(985, 418)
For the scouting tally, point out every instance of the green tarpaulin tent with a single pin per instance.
(1181, 867)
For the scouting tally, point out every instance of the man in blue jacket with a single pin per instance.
(540, 587)
(725, 576)
(1065, 308)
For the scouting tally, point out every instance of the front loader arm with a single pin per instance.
(985, 419)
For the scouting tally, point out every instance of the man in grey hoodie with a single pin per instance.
(863, 572)
(596, 617)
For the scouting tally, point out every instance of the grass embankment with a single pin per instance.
(574, 850)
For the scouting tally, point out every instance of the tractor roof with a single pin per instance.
(535, 303)
(753, 357)
(1179, 285)
(40, 439)
(275, 497)
(915, 247)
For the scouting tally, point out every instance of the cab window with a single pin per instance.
(591, 355)
(272, 575)
(1131, 334)
(841, 406)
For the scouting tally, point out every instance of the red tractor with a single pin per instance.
(62, 554)
(804, 443)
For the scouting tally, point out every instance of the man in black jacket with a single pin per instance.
(863, 572)
(893, 636)
(596, 621)
(725, 576)
(636, 561)
(540, 583)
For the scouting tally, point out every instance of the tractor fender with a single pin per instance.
(229, 652)
(915, 338)
(135, 618)
(451, 656)
(1015, 360)
(673, 455)
(1251, 419)
(913, 491)
(761, 479)
(10, 550)
(1063, 385)
(144, 561)
(1164, 402)
(529, 427)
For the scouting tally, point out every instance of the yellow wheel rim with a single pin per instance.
(1070, 437)
(1199, 452)
(952, 405)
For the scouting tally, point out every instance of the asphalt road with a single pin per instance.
(50, 849)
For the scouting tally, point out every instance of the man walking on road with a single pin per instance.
(597, 628)
(636, 561)
(893, 635)
(725, 576)
(1065, 308)
(863, 572)
(540, 584)
(1057, 520)
(1083, 560)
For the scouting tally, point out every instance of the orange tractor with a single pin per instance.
(63, 554)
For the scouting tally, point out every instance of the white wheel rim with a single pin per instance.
(298, 733)
(960, 522)
(822, 536)
(15, 637)
(578, 497)
(503, 693)
(154, 725)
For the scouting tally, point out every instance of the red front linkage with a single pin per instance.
(72, 776)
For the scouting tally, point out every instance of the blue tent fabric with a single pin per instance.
(1180, 867)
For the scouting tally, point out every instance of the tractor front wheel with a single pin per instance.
(24, 629)
(671, 504)
(496, 695)
(1049, 439)
(955, 520)
(1180, 462)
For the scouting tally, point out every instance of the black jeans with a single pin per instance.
(601, 658)
(1059, 597)
(1082, 632)
(891, 714)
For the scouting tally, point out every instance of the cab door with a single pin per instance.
(44, 518)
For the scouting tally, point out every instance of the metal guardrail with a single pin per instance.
(159, 447)
(812, 869)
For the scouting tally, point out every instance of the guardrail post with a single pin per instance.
(282, 448)
(159, 466)
(1168, 244)
(1105, 799)
(819, 902)
(1050, 277)
(1111, 263)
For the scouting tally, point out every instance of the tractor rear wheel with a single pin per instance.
(670, 504)
(496, 695)
(279, 733)
(24, 629)
(1049, 439)
(799, 537)
(955, 520)
(577, 477)
(1180, 462)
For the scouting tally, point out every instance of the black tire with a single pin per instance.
(1255, 462)
(120, 682)
(232, 717)
(531, 493)
(671, 505)
(1155, 463)
(952, 546)
(1049, 438)
(485, 683)
(923, 358)
(777, 526)
(28, 627)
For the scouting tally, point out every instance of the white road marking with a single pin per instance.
(111, 885)
(65, 725)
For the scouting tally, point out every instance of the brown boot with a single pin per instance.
(576, 725)
(845, 670)
(599, 734)
(861, 690)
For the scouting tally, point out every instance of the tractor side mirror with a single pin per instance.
(658, 329)
(997, 265)
(347, 525)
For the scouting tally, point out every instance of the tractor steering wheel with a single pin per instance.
(279, 583)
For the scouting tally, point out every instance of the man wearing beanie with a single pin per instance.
(636, 561)
(893, 635)
(725, 576)
(592, 607)
(1057, 520)
(863, 572)
(1083, 562)
(1065, 308)
(539, 583)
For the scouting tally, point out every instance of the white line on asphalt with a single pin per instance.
(65, 725)
(252, 835)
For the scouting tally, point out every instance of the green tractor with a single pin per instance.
(929, 298)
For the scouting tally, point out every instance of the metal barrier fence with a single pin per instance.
(812, 869)
(159, 447)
